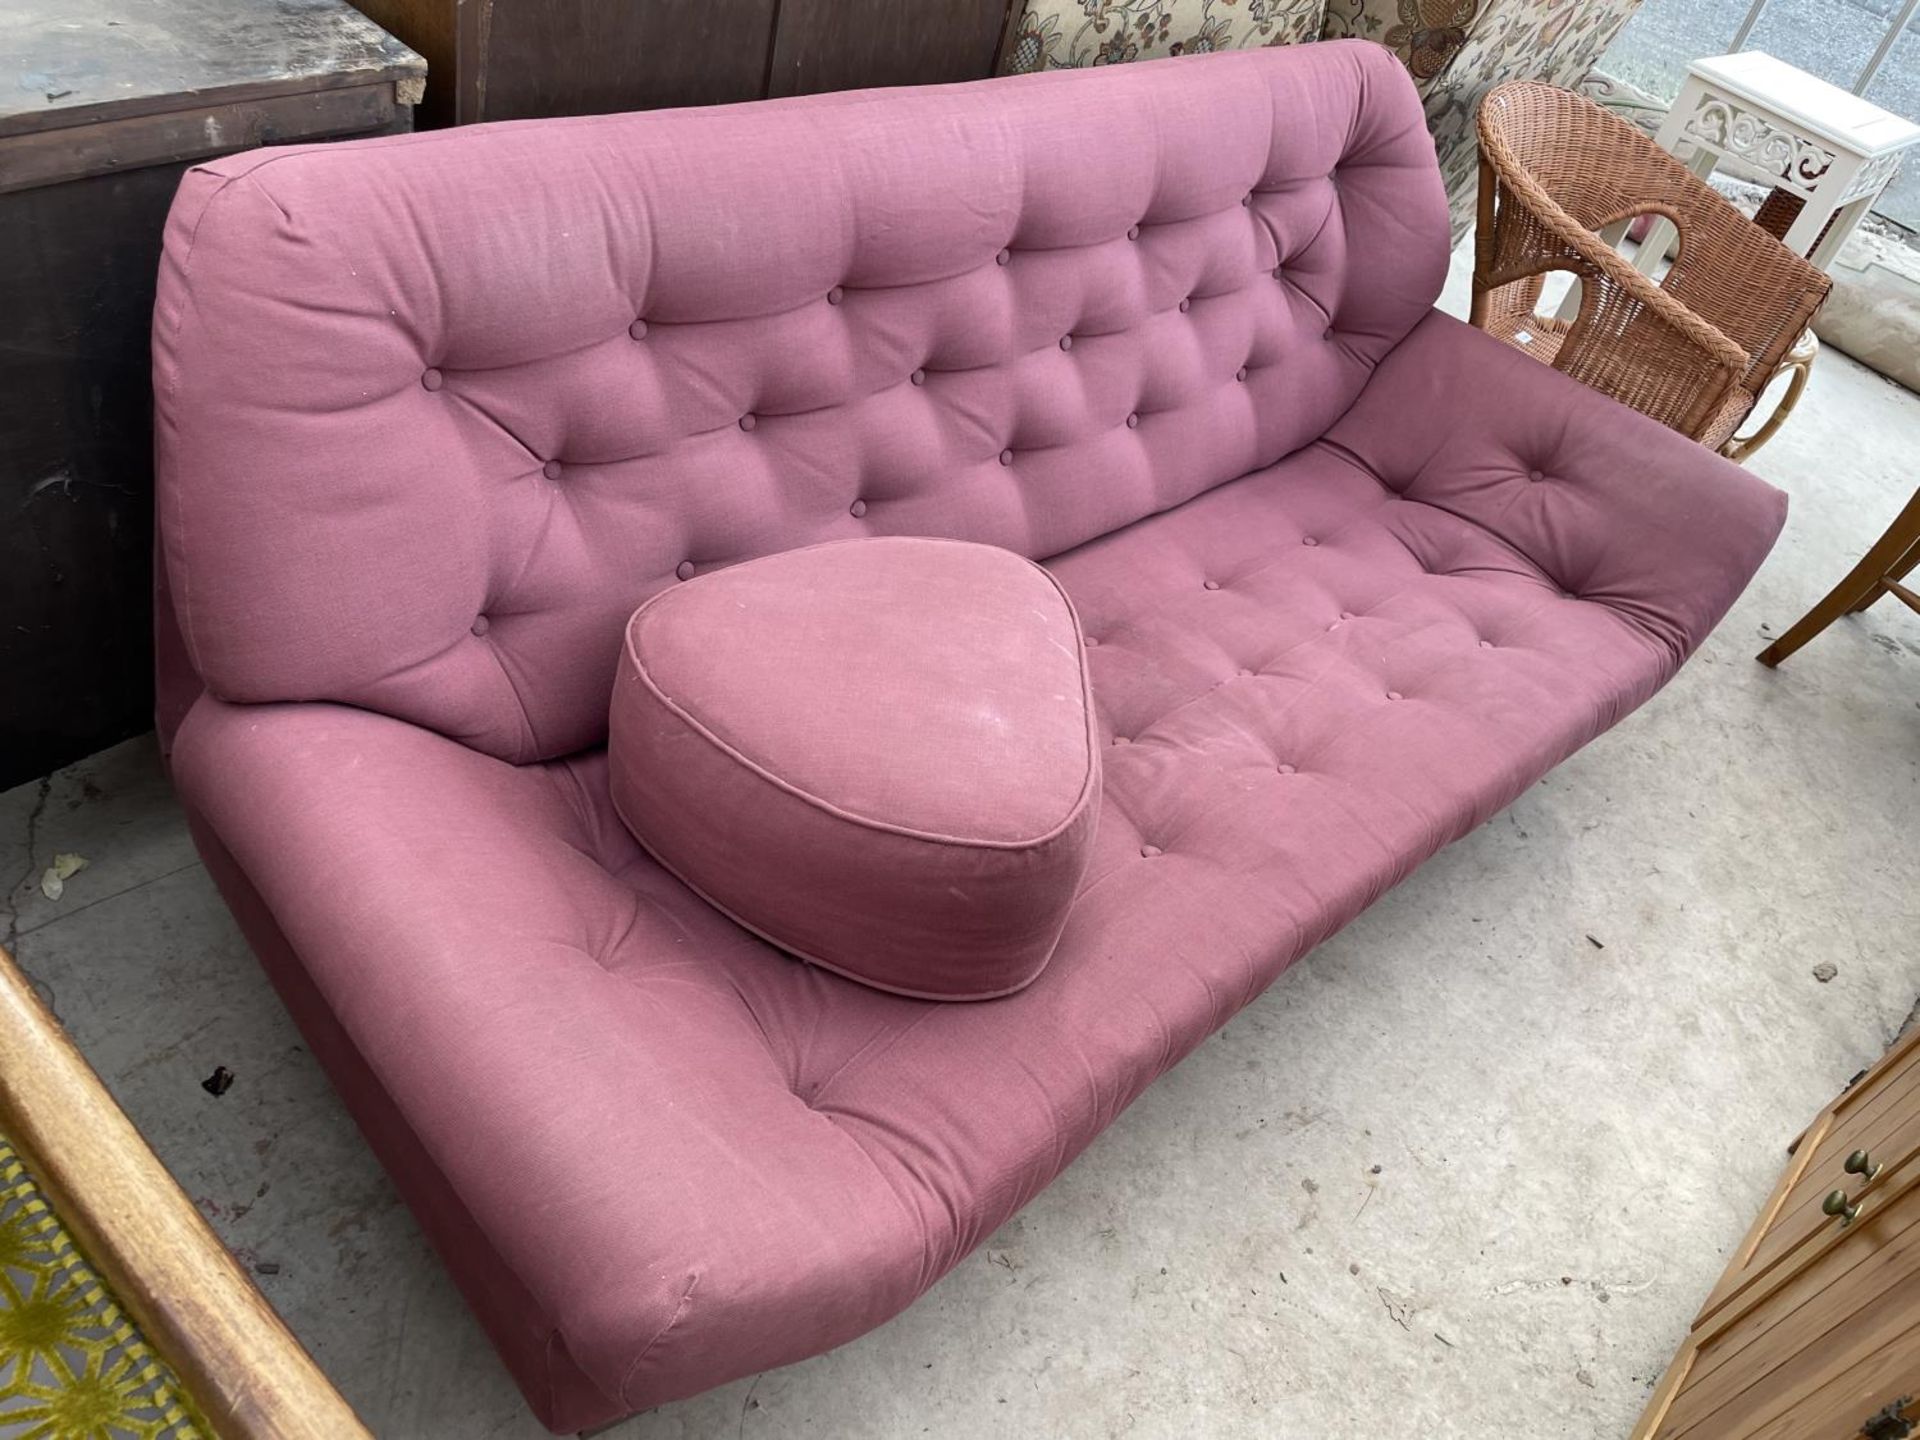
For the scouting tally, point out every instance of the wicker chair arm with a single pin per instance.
(1631, 339)
(1578, 170)
(1519, 185)
(1726, 261)
(1616, 270)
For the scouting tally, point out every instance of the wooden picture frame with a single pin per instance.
(196, 1308)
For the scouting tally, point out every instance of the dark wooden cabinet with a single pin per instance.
(849, 44)
(107, 102)
(514, 59)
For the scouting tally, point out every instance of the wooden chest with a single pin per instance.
(107, 102)
(1814, 1330)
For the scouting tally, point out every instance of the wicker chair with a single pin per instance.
(1561, 180)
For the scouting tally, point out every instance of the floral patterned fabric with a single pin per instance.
(72, 1367)
(1055, 34)
(1460, 49)
(1457, 50)
(1426, 34)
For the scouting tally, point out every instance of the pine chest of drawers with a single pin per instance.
(1814, 1329)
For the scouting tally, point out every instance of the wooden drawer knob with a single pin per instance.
(1838, 1204)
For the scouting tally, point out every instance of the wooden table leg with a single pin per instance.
(1899, 572)
(1866, 582)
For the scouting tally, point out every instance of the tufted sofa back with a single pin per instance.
(436, 412)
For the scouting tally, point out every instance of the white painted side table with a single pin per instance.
(1832, 150)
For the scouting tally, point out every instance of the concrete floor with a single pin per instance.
(1466, 1170)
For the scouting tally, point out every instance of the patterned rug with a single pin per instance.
(72, 1367)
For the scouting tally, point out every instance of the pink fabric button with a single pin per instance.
(1308, 540)
(1246, 674)
(918, 377)
(551, 469)
(1133, 421)
(1394, 695)
(1121, 740)
(1066, 342)
(857, 509)
(1279, 272)
(1147, 852)
(1486, 644)
(1133, 232)
(1346, 615)
(1089, 641)
(684, 570)
(1241, 373)
(1006, 457)
(432, 379)
(1247, 199)
(1186, 305)
(1327, 334)
(1003, 257)
(1285, 769)
(836, 295)
(481, 625)
(638, 330)
(1535, 475)
(1211, 584)
(747, 422)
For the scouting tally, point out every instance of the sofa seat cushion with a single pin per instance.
(876, 753)
(1308, 681)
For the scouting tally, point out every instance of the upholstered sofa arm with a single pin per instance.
(1602, 503)
(495, 956)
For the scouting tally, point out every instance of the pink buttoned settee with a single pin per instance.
(438, 412)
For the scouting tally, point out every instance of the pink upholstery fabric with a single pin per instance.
(1336, 614)
(876, 753)
(437, 412)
